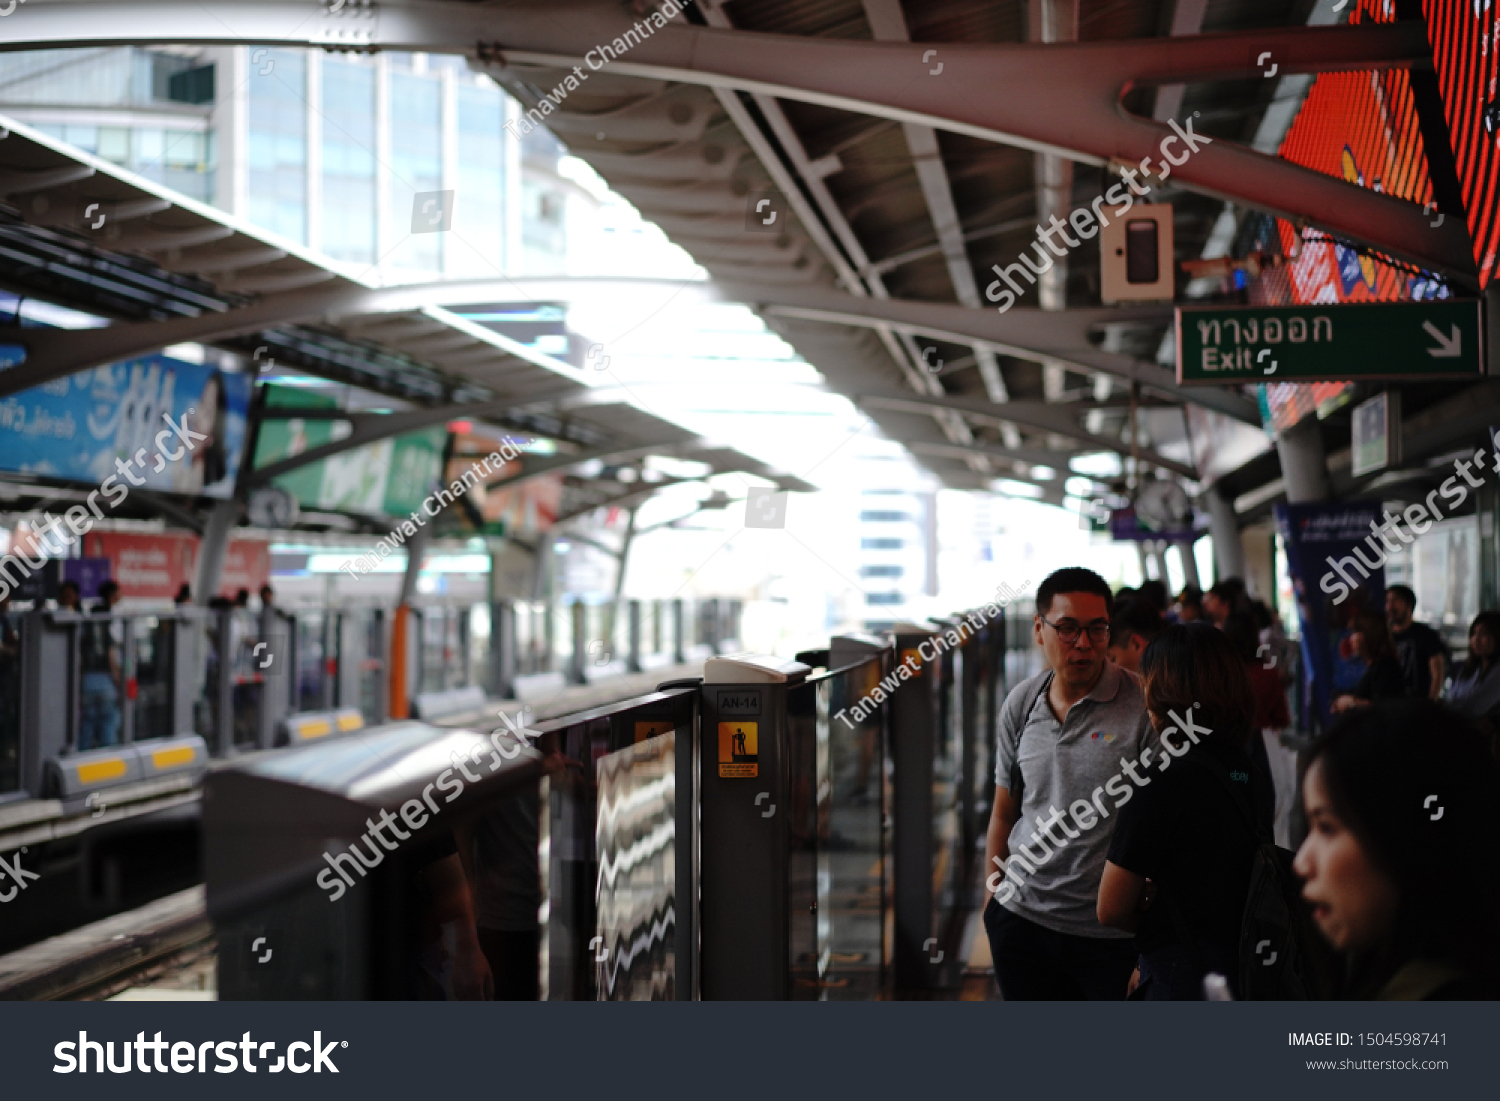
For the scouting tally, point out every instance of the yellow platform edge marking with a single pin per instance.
(178, 755)
(98, 771)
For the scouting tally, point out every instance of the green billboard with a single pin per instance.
(391, 477)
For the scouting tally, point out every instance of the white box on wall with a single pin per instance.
(1136, 261)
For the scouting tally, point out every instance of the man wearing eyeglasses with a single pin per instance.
(1064, 735)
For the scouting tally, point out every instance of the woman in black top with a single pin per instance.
(1402, 858)
(1384, 679)
(1178, 873)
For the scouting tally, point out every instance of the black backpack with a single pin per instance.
(1282, 957)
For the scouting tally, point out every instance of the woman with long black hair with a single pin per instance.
(1402, 858)
(1178, 872)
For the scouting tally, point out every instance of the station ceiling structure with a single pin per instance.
(164, 270)
(905, 151)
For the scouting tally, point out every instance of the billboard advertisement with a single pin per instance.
(388, 478)
(139, 421)
(1332, 586)
(1465, 37)
(154, 565)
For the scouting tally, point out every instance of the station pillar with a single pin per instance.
(1304, 467)
(1224, 529)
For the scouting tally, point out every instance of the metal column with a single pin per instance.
(745, 815)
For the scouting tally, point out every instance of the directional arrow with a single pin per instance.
(1452, 345)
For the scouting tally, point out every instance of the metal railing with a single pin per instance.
(735, 839)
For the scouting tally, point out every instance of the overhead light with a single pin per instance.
(1079, 487)
(1017, 489)
(1104, 464)
(1043, 473)
(460, 428)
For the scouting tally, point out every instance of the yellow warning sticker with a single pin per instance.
(912, 658)
(739, 751)
(651, 730)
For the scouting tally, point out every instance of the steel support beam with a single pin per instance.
(1066, 97)
(1041, 416)
(56, 353)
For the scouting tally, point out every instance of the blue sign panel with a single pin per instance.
(157, 422)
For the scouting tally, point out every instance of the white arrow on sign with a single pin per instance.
(1452, 346)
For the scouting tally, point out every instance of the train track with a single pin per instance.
(98, 961)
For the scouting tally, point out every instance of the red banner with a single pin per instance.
(154, 565)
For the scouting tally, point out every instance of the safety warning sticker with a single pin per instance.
(651, 730)
(739, 752)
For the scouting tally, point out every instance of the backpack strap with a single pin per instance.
(1017, 781)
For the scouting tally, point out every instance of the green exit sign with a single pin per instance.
(1379, 340)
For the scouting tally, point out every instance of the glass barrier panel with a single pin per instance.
(246, 679)
(479, 648)
(10, 700)
(311, 666)
(153, 678)
(610, 851)
(559, 621)
(947, 776)
(370, 634)
(838, 878)
(198, 649)
(101, 664)
(430, 654)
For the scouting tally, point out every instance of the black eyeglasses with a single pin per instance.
(1068, 631)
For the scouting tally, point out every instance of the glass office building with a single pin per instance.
(393, 165)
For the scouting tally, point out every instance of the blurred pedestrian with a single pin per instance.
(1419, 648)
(1178, 872)
(1383, 678)
(1475, 691)
(1402, 860)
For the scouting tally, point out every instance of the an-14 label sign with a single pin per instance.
(1381, 340)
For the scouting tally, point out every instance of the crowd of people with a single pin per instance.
(1153, 892)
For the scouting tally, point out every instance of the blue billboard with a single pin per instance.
(159, 422)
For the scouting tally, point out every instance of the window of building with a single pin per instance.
(882, 544)
(476, 245)
(882, 571)
(416, 168)
(882, 516)
(277, 90)
(349, 160)
(884, 598)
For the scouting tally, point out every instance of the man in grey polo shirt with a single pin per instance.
(1072, 742)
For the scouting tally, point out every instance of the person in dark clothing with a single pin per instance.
(1154, 592)
(1383, 679)
(1402, 859)
(1178, 871)
(1475, 691)
(1419, 648)
(1132, 626)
